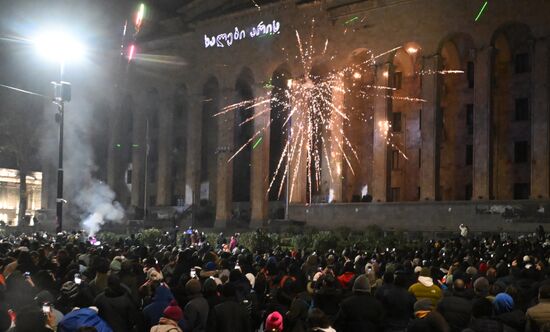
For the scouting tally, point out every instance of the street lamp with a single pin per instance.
(59, 46)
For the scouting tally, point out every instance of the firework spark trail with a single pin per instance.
(244, 105)
(258, 114)
(250, 140)
(326, 157)
(317, 120)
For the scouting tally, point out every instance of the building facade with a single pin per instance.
(475, 137)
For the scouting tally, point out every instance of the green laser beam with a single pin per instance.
(351, 20)
(257, 142)
(481, 10)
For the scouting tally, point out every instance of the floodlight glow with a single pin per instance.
(59, 46)
(357, 75)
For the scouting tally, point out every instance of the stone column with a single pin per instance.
(298, 163)
(382, 106)
(138, 153)
(482, 125)
(429, 133)
(337, 144)
(259, 181)
(164, 178)
(540, 80)
(225, 149)
(193, 150)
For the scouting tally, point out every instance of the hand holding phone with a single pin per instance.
(193, 273)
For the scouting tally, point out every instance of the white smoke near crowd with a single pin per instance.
(86, 130)
(90, 201)
(98, 200)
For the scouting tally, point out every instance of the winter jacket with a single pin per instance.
(360, 312)
(153, 311)
(230, 316)
(538, 315)
(398, 305)
(425, 289)
(82, 317)
(196, 313)
(118, 310)
(515, 319)
(456, 311)
(487, 325)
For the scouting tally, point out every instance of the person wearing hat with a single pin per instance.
(361, 311)
(504, 311)
(153, 311)
(170, 318)
(46, 298)
(210, 270)
(425, 288)
(274, 322)
(196, 310)
(427, 319)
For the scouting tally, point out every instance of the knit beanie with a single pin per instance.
(173, 311)
(361, 284)
(274, 322)
(503, 303)
(193, 287)
(69, 289)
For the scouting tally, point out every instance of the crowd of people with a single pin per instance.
(71, 282)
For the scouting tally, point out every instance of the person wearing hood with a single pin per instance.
(171, 315)
(117, 308)
(153, 311)
(361, 311)
(196, 310)
(503, 307)
(425, 288)
(83, 317)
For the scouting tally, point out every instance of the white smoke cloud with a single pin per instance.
(97, 199)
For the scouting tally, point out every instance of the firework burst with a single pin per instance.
(313, 123)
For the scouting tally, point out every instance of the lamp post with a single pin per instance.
(60, 47)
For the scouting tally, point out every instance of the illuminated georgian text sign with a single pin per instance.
(227, 39)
